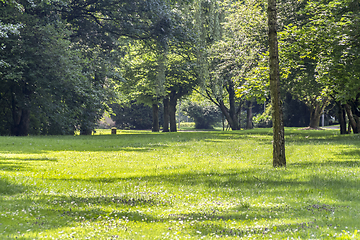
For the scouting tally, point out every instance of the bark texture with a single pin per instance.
(279, 159)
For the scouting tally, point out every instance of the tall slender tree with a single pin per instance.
(279, 159)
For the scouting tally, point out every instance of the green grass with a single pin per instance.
(186, 185)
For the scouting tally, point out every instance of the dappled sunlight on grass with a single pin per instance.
(139, 184)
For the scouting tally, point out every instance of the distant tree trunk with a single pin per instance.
(238, 114)
(232, 110)
(315, 115)
(316, 109)
(349, 128)
(223, 121)
(249, 124)
(342, 119)
(357, 119)
(166, 115)
(172, 111)
(351, 118)
(230, 114)
(21, 118)
(155, 111)
(234, 125)
(355, 111)
(279, 159)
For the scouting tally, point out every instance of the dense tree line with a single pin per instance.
(64, 62)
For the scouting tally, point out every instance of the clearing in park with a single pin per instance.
(185, 185)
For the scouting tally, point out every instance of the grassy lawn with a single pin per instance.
(186, 185)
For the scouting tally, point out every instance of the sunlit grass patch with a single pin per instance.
(143, 185)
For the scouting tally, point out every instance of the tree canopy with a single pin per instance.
(64, 62)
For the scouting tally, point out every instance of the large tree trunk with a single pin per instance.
(155, 111)
(342, 121)
(166, 115)
(351, 118)
(172, 111)
(279, 159)
(249, 124)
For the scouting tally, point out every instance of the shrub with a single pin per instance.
(134, 116)
(204, 116)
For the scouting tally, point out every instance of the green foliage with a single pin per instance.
(236, 56)
(319, 48)
(139, 184)
(49, 85)
(205, 116)
(132, 116)
(295, 112)
(264, 119)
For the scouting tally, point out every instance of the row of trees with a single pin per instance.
(63, 62)
(319, 49)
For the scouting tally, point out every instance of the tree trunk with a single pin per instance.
(351, 118)
(155, 111)
(20, 117)
(172, 111)
(21, 122)
(357, 119)
(223, 121)
(249, 124)
(315, 115)
(355, 111)
(342, 119)
(166, 115)
(316, 109)
(279, 159)
(226, 113)
(349, 128)
(232, 110)
(238, 114)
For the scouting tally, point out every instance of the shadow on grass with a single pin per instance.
(52, 212)
(20, 164)
(353, 154)
(254, 180)
(147, 141)
(49, 212)
(7, 188)
(344, 163)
